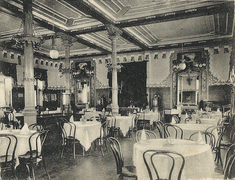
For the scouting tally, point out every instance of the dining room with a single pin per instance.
(117, 89)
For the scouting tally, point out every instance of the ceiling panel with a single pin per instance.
(146, 24)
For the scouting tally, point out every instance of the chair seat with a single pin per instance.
(226, 143)
(27, 158)
(129, 171)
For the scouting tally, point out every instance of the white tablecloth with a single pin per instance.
(152, 116)
(189, 129)
(124, 123)
(23, 142)
(88, 115)
(86, 132)
(210, 121)
(199, 163)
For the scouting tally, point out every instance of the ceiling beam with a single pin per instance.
(81, 6)
(18, 13)
(224, 7)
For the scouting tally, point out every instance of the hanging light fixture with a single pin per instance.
(182, 65)
(54, 53)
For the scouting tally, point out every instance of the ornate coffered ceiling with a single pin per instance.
(145, 24)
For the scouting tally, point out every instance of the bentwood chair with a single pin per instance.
(104, 134)
(35, 153)
(159, 127)
(222, 143)
(68, 137)
(150, 156)
(133, 128)
(36, 127)
(207, 137)
(113, 129)
(7, 161)
(123, 171)
(229, 163)
(149, 135)
(173, 131)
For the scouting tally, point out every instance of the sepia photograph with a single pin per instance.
(117, 89)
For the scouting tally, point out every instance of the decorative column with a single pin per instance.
(29, 42)
(67, 42)
(114, 33)
(173, 87)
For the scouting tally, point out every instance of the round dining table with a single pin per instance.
(22, 142)
(199, 163)
(86, 132)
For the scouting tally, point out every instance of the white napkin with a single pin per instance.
(25, 129)
(143, 135)
(71, 119)
(199, 139)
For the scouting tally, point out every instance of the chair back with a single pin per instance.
(229, 163)
(176, 118)
(149, 135)
(159, 126)
(65, 134)
(112, 120)
(117, 152)
(104, 130)
(150, 161)
(207, 137)
(36, 127)
(10, 147)
(174, 131)
(11, 117)
(37, 140)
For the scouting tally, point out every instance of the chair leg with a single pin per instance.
(73, 150)
(62, 151)
(120, 177)
(44, 166)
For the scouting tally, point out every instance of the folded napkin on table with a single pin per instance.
(200, 139)
(71, 119)
(25, 129)
(143, 135)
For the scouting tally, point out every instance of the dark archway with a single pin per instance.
(131, 84)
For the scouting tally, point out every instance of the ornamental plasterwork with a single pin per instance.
(164, 83)
(215, 81)
(99, 85)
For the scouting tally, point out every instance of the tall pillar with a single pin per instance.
(28, 39)
(67, 42)
(114, 33)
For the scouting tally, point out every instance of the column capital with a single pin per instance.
(66, 39)
(113, 31)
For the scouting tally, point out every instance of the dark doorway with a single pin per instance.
(131, 85)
